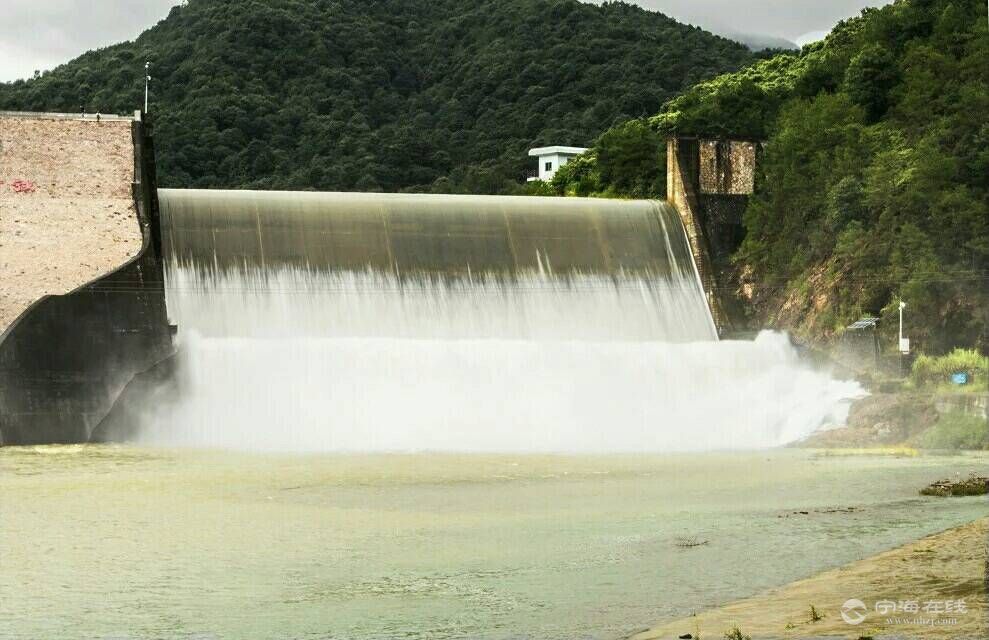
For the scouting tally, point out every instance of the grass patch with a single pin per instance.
(896, 452)
(736, 634)
(955, 430)
(928, 371)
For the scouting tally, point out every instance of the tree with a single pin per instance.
(870, 77)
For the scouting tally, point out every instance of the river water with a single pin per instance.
(125, 542)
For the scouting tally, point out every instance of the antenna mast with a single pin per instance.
(147, 84)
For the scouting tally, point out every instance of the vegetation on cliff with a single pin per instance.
(874, 181)
(444, 95)
(928, 371)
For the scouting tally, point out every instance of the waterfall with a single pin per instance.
(353, 323)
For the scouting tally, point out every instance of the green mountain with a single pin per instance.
(874, 182)
(387, 95)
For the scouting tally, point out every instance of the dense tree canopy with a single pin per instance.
(874, 182)
(388, 95)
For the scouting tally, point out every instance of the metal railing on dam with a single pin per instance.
(34, 115)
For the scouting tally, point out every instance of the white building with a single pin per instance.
(551, 159)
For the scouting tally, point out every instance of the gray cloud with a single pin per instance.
(790, 19)
(41, 34)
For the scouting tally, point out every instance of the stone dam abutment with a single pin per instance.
(709, 181)
(79, 234)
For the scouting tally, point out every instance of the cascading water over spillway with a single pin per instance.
(360, 322)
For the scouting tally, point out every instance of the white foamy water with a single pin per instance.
(287, 302)
(299, 361)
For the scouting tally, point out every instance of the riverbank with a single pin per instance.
(935, 573)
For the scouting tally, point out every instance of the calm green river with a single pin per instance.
(114, 542)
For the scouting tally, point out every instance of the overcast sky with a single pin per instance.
(41, 34)
(795, 20)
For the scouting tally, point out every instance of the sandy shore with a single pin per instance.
(947, 567)
(77, 221)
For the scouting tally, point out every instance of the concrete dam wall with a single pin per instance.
(66, 358)
(67, 210)
(710, 182)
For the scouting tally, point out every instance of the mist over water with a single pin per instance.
(314, 361)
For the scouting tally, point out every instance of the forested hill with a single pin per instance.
(874, 183)
(384, 94)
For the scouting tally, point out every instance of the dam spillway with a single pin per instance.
(368, 322)
(422, 234)
(305, 256)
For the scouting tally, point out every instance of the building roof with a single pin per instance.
(548, 151)
(864, 323)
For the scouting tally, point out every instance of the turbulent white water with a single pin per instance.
(299, 361)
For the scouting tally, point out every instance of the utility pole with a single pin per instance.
(147, 84)
(904, 343)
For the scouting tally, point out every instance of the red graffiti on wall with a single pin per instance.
(23, 186)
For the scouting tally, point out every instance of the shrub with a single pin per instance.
(736, 634)
(538, 188)
(929, 370)
(579, 177)
(956, 430)
(631, 160)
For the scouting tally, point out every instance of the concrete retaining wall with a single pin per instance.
(709, 182)
(972, 404)
(65, 360)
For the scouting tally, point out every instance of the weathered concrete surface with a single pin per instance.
(79, 222)
(727, 167)
(971, 404)
(709, 182)
(64, 361)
